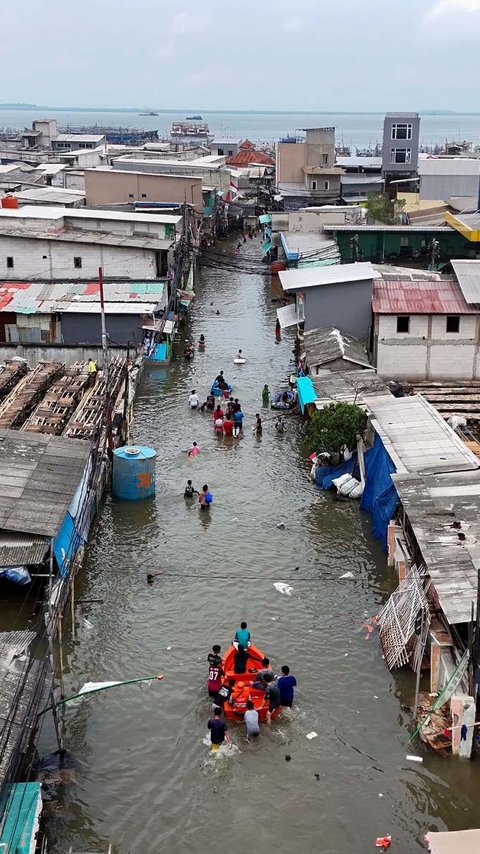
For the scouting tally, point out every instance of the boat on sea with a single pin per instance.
(244, 690)
(194, 118)
(218, 392)
(149, 113)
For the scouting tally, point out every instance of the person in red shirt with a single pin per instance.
(227, 426)
(218, 413)
(215, 675)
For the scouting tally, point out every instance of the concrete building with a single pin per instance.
(117, 186)
(41, 135)
(442, 178)
(56, 243)
(388, 243)
(401, 133)
(313, 219)
(224, 147)
(66, 142)
(306, 170)
(338, 295)
(425, 330)
(354, 188)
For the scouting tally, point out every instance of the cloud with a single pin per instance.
(294, 25)
(448, 7)
(165, 51)
(183, 24)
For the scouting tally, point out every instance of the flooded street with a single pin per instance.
(144, 780)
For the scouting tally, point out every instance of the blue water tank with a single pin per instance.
(133, 475)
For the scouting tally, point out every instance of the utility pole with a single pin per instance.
(104, 328)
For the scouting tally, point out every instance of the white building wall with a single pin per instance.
(387, 327)
(428, 351)
(45, 259)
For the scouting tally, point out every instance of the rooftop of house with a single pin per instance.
(34, 212)
(49, 297)
(313, 277)
(468, 277)
(79, 137)
(54, 195)
(420, 297)
(328, 344)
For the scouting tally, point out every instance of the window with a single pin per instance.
(326, 185)
(130, 195)
(77, 262)
(403, 323)
(230, 152)
(220, 151)
(314, 185)
(453, 323)
(401, 155)
(400, 131)
(324, 159)
(404, 240)
(9, 262)
(144, 195)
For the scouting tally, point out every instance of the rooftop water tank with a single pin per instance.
(133, 475)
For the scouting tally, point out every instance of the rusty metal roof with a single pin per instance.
(420, 297)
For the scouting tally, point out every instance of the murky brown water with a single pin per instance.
(145, 781)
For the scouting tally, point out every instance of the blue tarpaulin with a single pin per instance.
(306, 392)
(380, 496)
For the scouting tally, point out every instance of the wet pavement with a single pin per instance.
(144, 780)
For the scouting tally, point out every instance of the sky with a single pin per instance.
(322, 55)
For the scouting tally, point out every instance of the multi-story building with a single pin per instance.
(400, 145)
(306, 171)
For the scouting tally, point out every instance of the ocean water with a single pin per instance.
(352, 129)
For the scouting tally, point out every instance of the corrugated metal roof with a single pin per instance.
(416, 436)
(329, 344)
(287, 315)
(468, 275)
(46, 298)
(39, 475)
(402, 297)
(401, 229)
(21, 549)
(312, 277)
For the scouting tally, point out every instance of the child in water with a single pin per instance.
(189, 490)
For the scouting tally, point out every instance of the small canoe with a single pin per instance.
(243, 690)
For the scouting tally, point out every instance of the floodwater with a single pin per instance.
(144, 779)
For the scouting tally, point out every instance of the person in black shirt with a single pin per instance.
(189, 490)
(214, 658)
(218, 730)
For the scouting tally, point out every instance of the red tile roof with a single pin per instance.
(421, 297)
(246, 144)
(246, 157)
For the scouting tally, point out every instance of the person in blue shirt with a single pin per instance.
(238, 421)
(242, 636)
(287, 683)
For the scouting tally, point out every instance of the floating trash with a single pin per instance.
(311, 735)
(347, 575)
(283, 587)
(412, 758)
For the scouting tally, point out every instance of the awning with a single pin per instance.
(306, 392)
(21, 549)
(24, 805)
(287, 315)
(454, 842)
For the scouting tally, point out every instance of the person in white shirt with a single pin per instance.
(251, 721)
(193, 400)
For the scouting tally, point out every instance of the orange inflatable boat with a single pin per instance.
(243, 691)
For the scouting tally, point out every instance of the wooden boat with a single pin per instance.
(243, 689)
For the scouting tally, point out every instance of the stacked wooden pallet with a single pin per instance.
(23, 398)
(452, 398)
(55, 410)
(89, 419)
(10, 374)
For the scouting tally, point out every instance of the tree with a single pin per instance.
(381, 208)
(337, 425)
